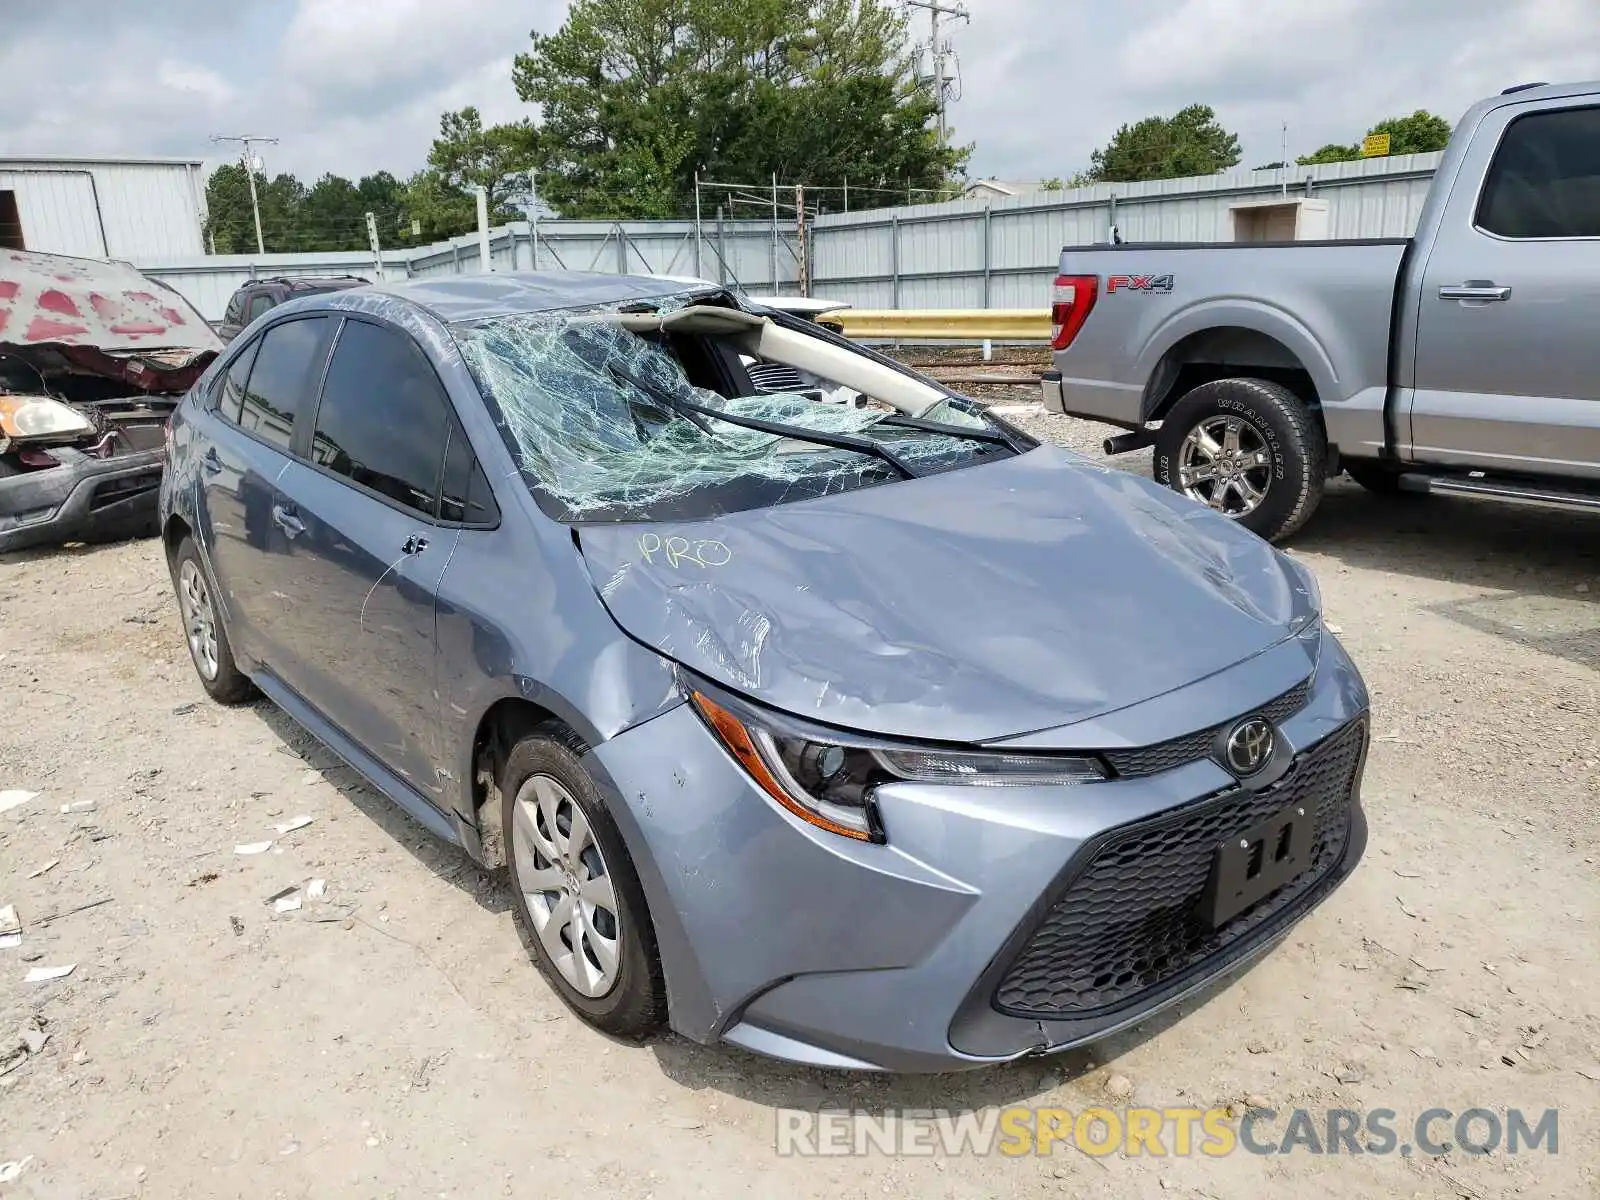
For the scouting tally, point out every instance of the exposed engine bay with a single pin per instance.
(94, 357)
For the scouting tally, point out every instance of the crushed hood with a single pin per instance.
(969, 606)
(94, 317)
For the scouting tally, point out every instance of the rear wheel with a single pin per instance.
(1248, 449)
(203, 630)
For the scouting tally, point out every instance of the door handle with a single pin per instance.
(286, 520)
(414, 544)
(1474, 291)
(210, 463)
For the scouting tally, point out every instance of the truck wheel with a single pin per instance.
(1248, 449)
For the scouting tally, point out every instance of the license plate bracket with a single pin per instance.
(1250, 866)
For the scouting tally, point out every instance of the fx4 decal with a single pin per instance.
(1159, 284)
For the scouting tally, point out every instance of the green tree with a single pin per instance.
(1190, 142)
(230, 222)
(442, 198)
(1331, 153)
(332, 216)
(1420, 133)
(635, 96)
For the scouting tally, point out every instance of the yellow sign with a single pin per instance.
(1375, 145)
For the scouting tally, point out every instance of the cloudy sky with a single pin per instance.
(352, 86)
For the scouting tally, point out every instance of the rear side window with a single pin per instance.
(235, 313)
(284, 373)
(384, 417)
(230, 392)
(1545, 178)
(259, 303)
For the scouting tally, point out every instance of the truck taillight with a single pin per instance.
(1071, 300)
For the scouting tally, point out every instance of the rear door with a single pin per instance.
(367, 566)
(1507, 361)
(249, 431)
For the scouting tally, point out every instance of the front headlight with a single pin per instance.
(829, 779)
(36, 418)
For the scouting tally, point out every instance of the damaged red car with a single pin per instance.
(94, 356)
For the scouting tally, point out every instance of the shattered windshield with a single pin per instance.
(655, 416)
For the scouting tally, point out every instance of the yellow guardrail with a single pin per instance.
(941, 325)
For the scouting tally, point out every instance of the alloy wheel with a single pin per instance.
(1225, 463)
(199, 618)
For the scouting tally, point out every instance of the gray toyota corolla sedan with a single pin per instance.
(812, 708)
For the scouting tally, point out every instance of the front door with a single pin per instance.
(1507, 361)
(372, 551)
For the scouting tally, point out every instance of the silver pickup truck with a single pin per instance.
(1465, 359)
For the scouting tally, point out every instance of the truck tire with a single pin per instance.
(1249, 449)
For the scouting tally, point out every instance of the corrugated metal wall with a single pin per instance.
(130, 210)
(1003, 252)
(743, 257)
(965, 254)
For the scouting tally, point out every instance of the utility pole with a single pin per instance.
(485, 263)
(533, 214)
(938, 51)
(245, 140)
(772, 251)
(800, 226)
(698, 269)
(377, 247)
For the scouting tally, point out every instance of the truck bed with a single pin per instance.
(1328, 305)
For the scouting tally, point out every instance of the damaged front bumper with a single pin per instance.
(924, 954)
(80, 499)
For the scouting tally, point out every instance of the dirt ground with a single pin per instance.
(392, 1039)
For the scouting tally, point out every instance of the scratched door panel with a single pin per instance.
(362, 579)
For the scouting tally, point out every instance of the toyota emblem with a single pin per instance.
(1249, 746)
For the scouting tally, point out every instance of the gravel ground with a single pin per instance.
(391, 1039)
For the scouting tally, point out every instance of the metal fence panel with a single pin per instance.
(998, 253)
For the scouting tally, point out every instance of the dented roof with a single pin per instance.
(50, 299)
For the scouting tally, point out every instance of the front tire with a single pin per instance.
(209, 648)
(575, 889)
(1248, 449)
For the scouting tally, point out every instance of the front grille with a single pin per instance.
(1164, 756)
(1128, 921)
(114, 491)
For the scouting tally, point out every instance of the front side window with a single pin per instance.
(705, 410)
(464, 494)
(284, 372)
(384, 417)
(1545, 178)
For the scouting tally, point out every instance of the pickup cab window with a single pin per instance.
(1545, 178)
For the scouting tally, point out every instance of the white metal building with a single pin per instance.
(143, 209)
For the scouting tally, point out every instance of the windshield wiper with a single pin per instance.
(995, 437)
(693, 413)
(844, 441)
